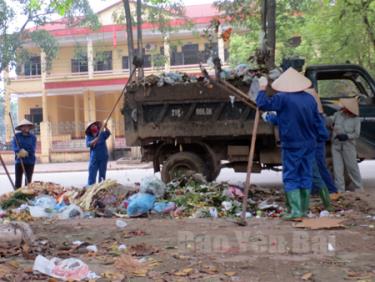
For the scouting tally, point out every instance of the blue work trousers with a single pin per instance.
(298, 167)
(96, 166)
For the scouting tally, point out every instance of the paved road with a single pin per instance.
(129, 176)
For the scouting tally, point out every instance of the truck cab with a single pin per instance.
(346, 81)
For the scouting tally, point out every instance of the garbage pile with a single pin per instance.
(194, 197)
(186, 196)
(49, 200)
(241, 75)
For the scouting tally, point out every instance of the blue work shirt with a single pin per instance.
(300, 124)
(26, 142)
(321, 139)
(99, 151)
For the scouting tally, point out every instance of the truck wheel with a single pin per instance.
(179, 163)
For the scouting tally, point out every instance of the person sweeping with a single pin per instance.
(300, 126)
(24, 145)
(96, 141)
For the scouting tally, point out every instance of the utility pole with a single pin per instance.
(269, 30)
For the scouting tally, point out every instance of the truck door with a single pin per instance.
(345, 82)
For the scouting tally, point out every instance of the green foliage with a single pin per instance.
(81, 14)
(240, 48)
(159, 13)
(331, 31)
(62, 6)
(339, 33)
(47, 43)
(13, 36)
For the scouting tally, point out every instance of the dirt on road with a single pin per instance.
(170, 249)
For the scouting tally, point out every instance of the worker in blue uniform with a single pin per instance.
(24, 146)
(96, 141)
(319, 166)
(299, 125)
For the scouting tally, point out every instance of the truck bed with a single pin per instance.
(184, 111)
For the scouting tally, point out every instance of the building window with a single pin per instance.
(79, 64)
(125, 62)
(176, 57)
(190, 54)
(103, 61)
(36, 117)
(33, 66)
(146, 60)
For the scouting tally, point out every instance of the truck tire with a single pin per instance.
(182, 162)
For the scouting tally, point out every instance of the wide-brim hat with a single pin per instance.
(98, 123)
(291, 81)
(351, 104)
(23, 123)
(315, 94)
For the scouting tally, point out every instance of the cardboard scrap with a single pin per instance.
(321, 223)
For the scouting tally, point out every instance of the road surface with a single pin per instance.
(129, 176)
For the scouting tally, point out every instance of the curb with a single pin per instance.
(147, 166)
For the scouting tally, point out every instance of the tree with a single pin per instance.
(158, 12)
(247, 14)
(340, 32)
(129, 32)
(34, 14)
(322, 31)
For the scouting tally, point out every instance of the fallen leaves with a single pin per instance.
(184, 272)
(209, 269)
(134, 233)
(142, 250)
(128, 264)
(307, 276)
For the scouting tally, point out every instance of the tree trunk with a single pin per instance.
(139, 36)
(271, 33)
(129, 31)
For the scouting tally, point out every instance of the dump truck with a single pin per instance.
(200, 128)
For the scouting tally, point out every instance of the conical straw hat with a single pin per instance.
(87, 130)
(351, 104)
(291, 81)
(24, 122)
(315, 94)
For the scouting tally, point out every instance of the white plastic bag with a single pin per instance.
(67, 269)
(71, 211)
(152, 185)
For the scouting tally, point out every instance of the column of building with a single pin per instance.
(167, 54)
(7, 107)
(45, 125)
(89, 99)
(221, 45)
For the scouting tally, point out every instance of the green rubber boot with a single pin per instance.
(305, 201)
(287, 206)
(326, 200)
(294, 199)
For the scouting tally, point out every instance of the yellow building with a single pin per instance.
(78, 89)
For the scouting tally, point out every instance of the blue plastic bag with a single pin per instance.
(164, 207)
(140, 203)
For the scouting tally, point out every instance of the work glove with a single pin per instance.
(263, 82)
(22, 154)
(342, 137)
(264, 116)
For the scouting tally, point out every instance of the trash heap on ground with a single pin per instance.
(186, 196)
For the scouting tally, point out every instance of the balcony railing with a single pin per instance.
(110, 73)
